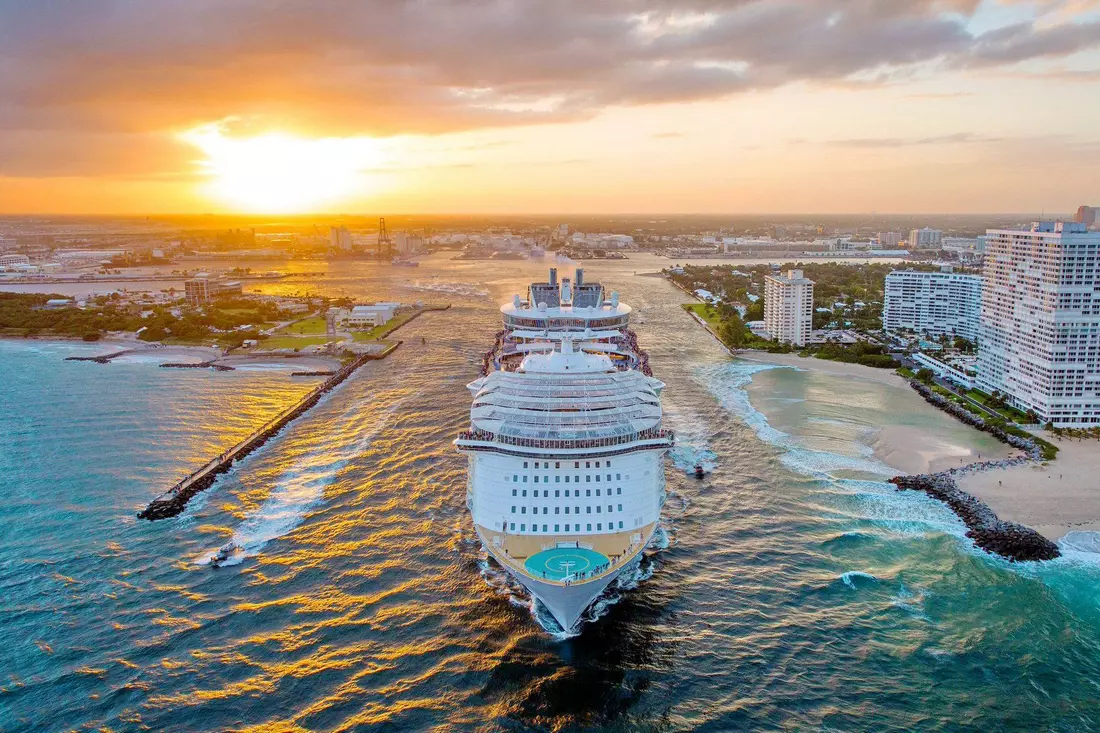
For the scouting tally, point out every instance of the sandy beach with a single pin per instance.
(939, 443)
(1052, 498)
(823, 366)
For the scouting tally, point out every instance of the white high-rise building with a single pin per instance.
(925, 238)
(933, 303)
(1040, 321)
(789, 307)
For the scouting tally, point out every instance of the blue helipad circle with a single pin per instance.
(559, 563)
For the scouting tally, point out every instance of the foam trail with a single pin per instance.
(691, 447)
(727, 383)
(298, 491)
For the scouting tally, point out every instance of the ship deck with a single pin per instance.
(562, 563)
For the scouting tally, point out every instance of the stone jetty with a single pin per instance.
(198, 365)
(1028, 446)
(1010, 540)
(101, 359)
(173, 501)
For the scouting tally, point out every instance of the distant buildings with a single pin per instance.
(8, 260)
(366, 316)
(197, 291)
(925, 238)
(1087, 215)
(788, 307)
(200, 289)
(339, 239)
(407, 244)
(889, 239)
(933, 303)
(1040, 321)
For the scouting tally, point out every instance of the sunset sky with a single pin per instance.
(463, 106)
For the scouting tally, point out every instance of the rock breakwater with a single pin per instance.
(1010, 540)
(1030, 447)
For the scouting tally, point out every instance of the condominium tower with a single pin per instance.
(1040, 321)
(935, 304)
(789, 307)
(925, 238)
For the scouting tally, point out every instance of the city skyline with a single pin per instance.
(522, 108)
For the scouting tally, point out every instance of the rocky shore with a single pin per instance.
(1010, 540)
(1028, 446)
(1013, 541)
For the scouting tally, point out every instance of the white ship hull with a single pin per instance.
(565, 446)
(566, 603)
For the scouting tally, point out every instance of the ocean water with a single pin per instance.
(791, 589)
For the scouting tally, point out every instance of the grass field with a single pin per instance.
(312, 326)
(701, 310)
(388, 327)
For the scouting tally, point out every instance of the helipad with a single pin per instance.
(560, 563)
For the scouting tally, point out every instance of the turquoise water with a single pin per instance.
(790, 590)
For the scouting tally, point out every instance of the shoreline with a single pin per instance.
(907, 449)
(824, 366)
(215, 357)
(1055, 497)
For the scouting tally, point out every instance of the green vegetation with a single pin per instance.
(835, 283)
(313, 325)
(386, 328)
(871, 355)
(996, 402)
(227, 321)
(906, 373)
(731, 330)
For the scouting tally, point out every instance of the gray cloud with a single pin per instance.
(116, 70)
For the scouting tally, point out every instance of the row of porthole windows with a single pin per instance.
(557, 527)
(557, 492)
(557, 509)
(576, 464)
(557, 479)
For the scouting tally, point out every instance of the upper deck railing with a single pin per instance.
(485, 436)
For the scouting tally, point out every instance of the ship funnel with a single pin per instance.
(516, 301)
(554, 276)
(580, 277)
(614, 298)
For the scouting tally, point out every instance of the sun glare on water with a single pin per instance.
(281, 173)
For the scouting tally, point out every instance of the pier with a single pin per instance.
(173, 501)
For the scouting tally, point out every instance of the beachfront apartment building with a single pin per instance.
(933, 304)
(1040, 321)
(789, 307)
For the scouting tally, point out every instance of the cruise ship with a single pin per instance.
(565, 447)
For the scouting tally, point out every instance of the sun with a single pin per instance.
(280, 173)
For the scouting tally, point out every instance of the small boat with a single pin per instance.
(226, 551)
(699, 472)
